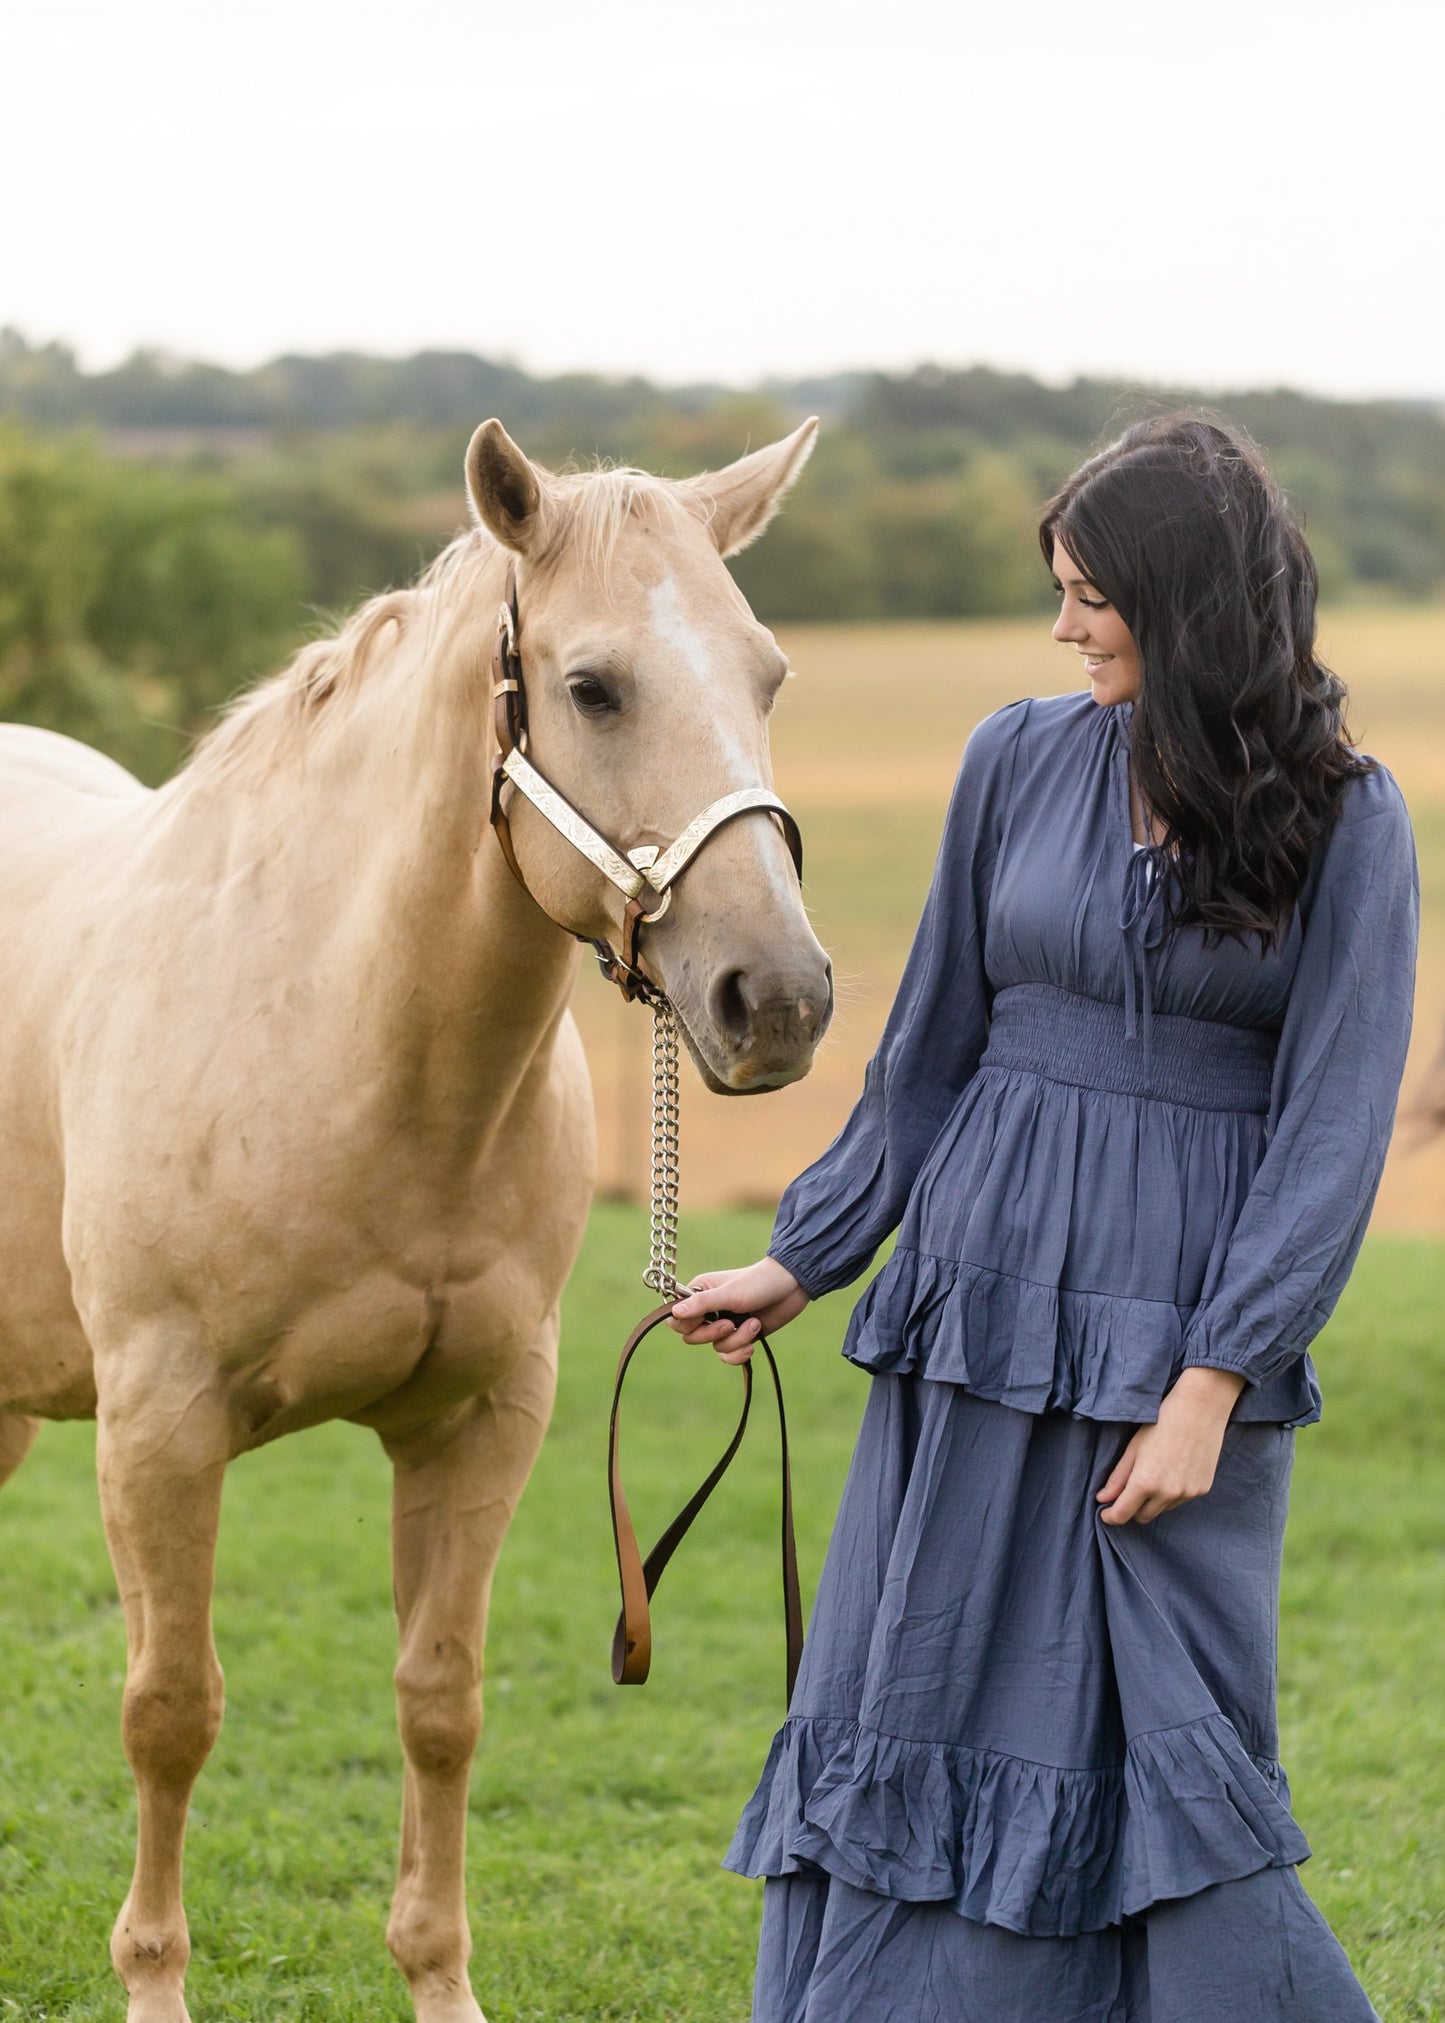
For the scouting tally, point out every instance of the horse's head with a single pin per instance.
(649, 684)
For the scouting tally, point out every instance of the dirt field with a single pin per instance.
(871, 816)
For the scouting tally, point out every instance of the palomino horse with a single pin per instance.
(294, 1120)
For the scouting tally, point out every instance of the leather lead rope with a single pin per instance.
(638, 1577)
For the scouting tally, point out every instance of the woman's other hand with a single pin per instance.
(767, 1293)
(1173, 1461)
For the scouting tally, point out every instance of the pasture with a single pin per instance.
(598, 1816)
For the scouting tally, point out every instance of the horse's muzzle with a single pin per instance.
(758, 1031)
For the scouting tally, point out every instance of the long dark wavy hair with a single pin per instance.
(1238, 741)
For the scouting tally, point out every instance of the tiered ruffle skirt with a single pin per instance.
(1029, 1752)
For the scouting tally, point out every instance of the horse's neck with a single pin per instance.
(443, 975)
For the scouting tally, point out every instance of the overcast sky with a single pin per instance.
(1245, 193)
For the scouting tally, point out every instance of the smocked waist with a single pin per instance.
(1065, 1037)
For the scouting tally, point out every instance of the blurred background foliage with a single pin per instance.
(169, 528)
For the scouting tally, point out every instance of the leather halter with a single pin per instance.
(645, 874)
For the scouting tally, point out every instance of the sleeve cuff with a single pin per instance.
(812, 1279)
(1214, 1359)
(1203, 1352)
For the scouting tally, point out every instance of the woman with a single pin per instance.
(1128, 1116)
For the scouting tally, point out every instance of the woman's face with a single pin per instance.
(1091, 625)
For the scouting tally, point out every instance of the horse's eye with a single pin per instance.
(590, 696)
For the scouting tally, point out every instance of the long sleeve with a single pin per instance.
(835, 1214)
(1336, 1081)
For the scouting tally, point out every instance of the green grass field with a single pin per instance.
(599, 1816)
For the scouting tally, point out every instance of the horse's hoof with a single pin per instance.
(158, 2005)
(446, 2005)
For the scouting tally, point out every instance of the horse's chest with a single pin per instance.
(387, 1350)
(324, 1272)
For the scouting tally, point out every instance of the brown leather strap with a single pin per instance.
(509, 704)
(509, 696)
(632, 1639)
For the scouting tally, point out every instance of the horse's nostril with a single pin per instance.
(815, 1013)
(749, 1012)
(730, 1006)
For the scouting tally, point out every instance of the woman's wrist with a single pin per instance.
(1208, 1390)
(797, 1284)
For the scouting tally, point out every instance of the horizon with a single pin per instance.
(164, 356)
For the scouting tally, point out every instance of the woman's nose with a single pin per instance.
(1067, 626)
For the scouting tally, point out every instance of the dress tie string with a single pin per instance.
(1143, 922)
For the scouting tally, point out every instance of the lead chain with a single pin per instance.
(661, 1272)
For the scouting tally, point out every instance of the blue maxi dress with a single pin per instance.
(1030, 1770)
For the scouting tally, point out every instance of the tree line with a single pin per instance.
(169, 527)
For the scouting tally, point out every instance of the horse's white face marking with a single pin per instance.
(670, 623)
(684, 643)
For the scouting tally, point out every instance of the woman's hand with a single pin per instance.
(765, 1291)
(1173, 1461)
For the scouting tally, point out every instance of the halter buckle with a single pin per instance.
(642, 858)
(635, 987)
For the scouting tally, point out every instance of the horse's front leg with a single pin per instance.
(162, 1445)
(457, 1485)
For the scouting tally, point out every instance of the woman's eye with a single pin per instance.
(1095, 603)
(590, 696)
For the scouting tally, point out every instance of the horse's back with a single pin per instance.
(48, 776)
(65, 811)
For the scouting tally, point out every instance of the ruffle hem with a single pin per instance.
(1038, 1850)
(1043, 1348)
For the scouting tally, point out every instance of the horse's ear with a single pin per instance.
(507, 491)
(744, 497)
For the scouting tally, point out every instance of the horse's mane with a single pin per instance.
(278, 712)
